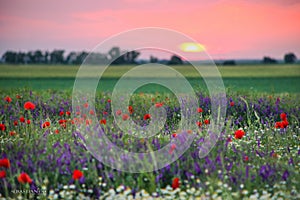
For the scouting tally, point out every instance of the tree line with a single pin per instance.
(58, 57)
(113, 56)
(288, 58)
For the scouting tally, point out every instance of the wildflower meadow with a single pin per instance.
(44, 156)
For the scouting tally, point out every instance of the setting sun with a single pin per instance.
(192, 47)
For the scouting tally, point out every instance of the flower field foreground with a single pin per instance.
(43, 155)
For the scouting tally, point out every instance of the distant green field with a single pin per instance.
(50, 71)
(256, 78)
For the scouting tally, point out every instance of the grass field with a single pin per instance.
(249, 78)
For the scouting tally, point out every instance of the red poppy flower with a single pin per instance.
(175, 183)
(64, 125)
(4, 162)
(24, 178)
(174, 135)
(105, 113)
(199, 110)
(125, 117)
(56, 131)
(108, 100)
(285, 123)
(246, 158)
(46, 124)
(92, 112)
(12, 133)
(239, 134)
(15, 122)
(61, 113)
(2, 127)
(282, 124)
(29, 105)
(68, 113)
(173, 147)
(88, 122)
(103, 121)
(283, 116)
(130, 110)
(231, 103)
(2, 174)
(62, 121)
(28, 121)
(147, 116)
(86, 105)
(7, 99)
(77, 174)
(22, 119)
(18, 96)
(118, 112)
(206, 121)
(278, 125)
(158, 105)
(199, 124)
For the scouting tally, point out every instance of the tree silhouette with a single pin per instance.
(10, 57)
(290, 58)
(153, 59)
(229, 62)
(130, 57)
(21, 58)
(268, 60)
(47, 57)
(117, 57)
(114, 53)
(175, 60)
(80, 57)
(97, 58)
(57, 57)
(71, 57)
(38, 57)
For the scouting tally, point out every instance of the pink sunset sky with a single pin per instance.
(227, 28)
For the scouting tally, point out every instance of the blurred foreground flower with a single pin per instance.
(7, 99)
(24, 178)
(29, 105)
(77, 174)
(239, 134)
(175, 183)
(4, 163)
(284, 123)
(2, 174)
(2, 127)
